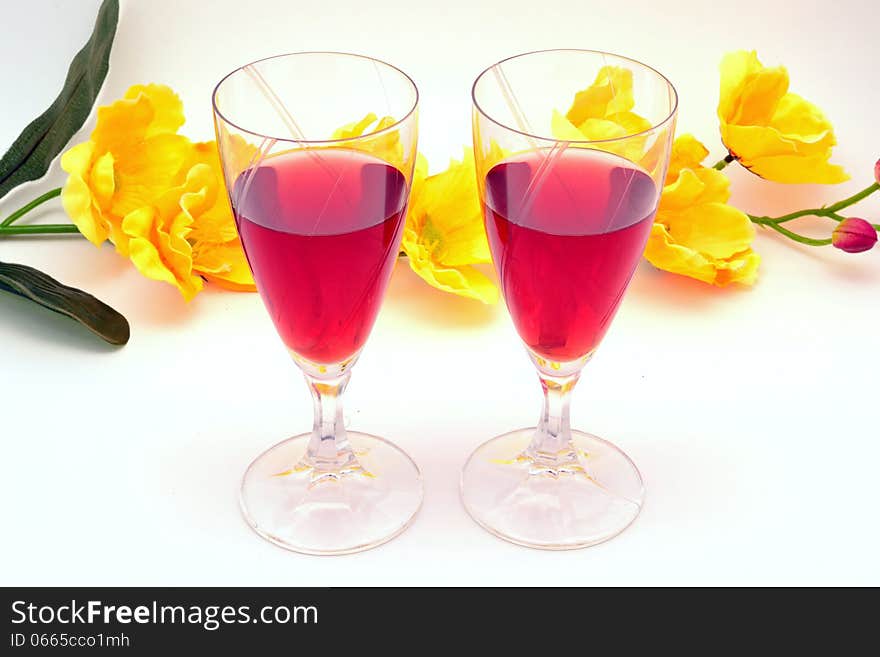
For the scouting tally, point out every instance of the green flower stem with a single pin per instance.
(15, 216)
(831, 211)
(40, 229)
(855, 198)
(6, 227)
(720, 164)
(797, 237)
(838, 218)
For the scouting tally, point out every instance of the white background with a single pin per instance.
(751, 413)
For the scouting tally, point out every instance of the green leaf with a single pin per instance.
(41, 288)
(31, 154)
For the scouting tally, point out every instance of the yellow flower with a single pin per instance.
(604, 111)
(217, 252)
(695, 232)
(188, 233)
(444, 234)
(386, 146)
(133, 156)
(157, 235)
(157, 196)
(772, 132)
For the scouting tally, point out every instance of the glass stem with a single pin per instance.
(329, 451)
(552, 448)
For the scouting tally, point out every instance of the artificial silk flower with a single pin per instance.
(385, 146)
(695, 232)
(157, 235)
(444, 236)
(772, 132)
(132, 157)
(156, 195)
(603, 111)
(611, 94)
(217, 252)
(188, 233)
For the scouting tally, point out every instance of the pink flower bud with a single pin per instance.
(854, 235)
(877, 172)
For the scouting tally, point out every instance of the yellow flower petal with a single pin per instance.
(444, 234)
(687, 152)
(766, 153)
(76, 196)
(386, 146)
(102, 180)
(453, 216)
(665, 253)
(354, 129)
(239, 154)
(598, 129)
(167, 108)
(145, 112)
(631, 123)
(224, 265)
(122, 124)
(563, 129)
(714, 229)
(217, 253)
(799, 169)
(602, 112)
(147, 169)
(465, 281)
(610, 93)
(741, 268)
(774, 133)
(800, 119)
(758, 93)
(749, 91)
(695, 232)
(161, 252)
(420, 171)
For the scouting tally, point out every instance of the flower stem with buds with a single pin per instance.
(830, 212)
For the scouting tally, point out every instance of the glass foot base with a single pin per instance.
(295, 508)
(588, 501)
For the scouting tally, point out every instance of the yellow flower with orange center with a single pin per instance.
(696, 233)
(157, 196)
(774, 133)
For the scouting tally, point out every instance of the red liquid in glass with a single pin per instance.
(565, 255)
(321, 231)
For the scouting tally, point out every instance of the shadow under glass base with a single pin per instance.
(298, 509)
(587, 502)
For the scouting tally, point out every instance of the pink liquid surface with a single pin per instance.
(565, 256)
(321, 237)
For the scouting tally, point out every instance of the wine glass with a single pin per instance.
(567, 219)
(319, 197)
